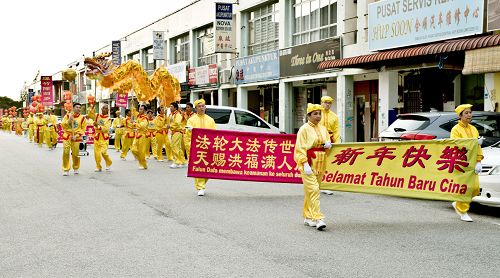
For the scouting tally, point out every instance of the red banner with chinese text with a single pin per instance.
(436, 170)
(231, 155)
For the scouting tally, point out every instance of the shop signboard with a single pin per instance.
(46, 90)
(493, 20)
(224, 35)
(304, 59)
(260, 67)
(399, 23)
(204, 75)
(31, 94)
(179, 71)
(116, 52)
(158, 45)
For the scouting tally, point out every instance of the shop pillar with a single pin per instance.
(286, 101)
(242, 97)
(223, 95)
(194, 96)
(388, 98)
(345, 107)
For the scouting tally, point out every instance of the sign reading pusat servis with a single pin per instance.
(398, 23)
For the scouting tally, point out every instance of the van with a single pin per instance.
(238, 119)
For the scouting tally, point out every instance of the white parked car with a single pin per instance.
(489, 179)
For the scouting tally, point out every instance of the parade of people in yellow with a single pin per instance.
(151, 145)
(50, 134)
(74, 126)
(129, 135)
(139, 144)
(118, 126)
(330, 120)
(464, 129)
(177, 129)
(199, 120)
(30, 121)
(310, 151)
(5, 123)
(160, 123)
(102, 124)
(40, 125)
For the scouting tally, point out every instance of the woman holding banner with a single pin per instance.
(464, 129)
(310, 151)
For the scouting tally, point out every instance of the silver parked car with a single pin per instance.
(489, 179)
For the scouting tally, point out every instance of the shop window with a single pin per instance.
(205, 41)
(263, 29)
(244, 118)
(149, 64)
(314, 20)
(181, 48)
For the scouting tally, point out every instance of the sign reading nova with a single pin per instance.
(397, 23)
(304, 59)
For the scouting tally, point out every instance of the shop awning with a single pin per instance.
(423, 50)
(482, 60)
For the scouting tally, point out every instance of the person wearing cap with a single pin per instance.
(161, 132)
(30, 121)
(151, 145)
(102, 124)
(50, 134)
(330, 120)
(139, 144)
(177, 129)
(199, 120)
(312, 142)
(188, 113)
(40, 125)
(464, 129)
(129, 135)
(118, 126)
(74, 126)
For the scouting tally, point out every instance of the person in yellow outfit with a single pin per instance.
(102, 124)
(151, 145)
(30, 121)
(177, 129)
(119, 127)
(188, 113)
(310, 151)
(19, 126)
(74, 126)
(129, 135)
(464, 129)
(5, 121)
(50, 134)
(199, 120)
(139, 144)
(40, 125)
(161, 132)
(330, 120)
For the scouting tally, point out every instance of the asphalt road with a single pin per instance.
(137, 223)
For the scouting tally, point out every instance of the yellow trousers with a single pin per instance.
(168, 148)
(311, 196)
(100, 152)
(187, 146)
(177, 150)
(31, 132)
(39, 133)
(68, 146)
(200, 183)
(464, 207)
(160, 142)
(126, 145)
(151, 146)
(139, 151)
(50, 137)
(118, 138)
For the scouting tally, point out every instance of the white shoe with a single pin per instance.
(309, 222)
(76, 172)
(201, 192)
(173, 166)
(141, 168)
(65, 173)
(108, 168)
(161, 160)
(123, 159)
(327, 192)
(463, 216)
(98, 170)
(320, 225)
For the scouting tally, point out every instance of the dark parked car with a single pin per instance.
(437, 125)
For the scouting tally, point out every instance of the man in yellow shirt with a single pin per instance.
(151, 145)
(129, 135)
(330, 120)
(160, 123)
(187, 114)
(50, 135)
(139, 144)
(102, 124)
(40, 125)
(199, 120)
(464, 129)
(30, 121)
(177, 129)
(119, 127)
(73, 125)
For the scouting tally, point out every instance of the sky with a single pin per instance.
(48, 35)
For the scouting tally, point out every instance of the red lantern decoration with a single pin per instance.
(91, 100)
(34, 104)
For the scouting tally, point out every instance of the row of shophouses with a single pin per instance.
(375, 58)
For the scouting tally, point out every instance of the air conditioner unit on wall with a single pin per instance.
(225, 76)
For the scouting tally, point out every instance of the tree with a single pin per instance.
(6, 102)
